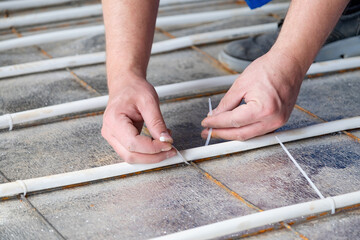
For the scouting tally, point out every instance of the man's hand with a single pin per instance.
(130, 104)
(269, 87)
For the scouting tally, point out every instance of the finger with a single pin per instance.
(128, 135)
(241, 116)
(133, 158)
(231, 100)
(155, 122)
(243, 133)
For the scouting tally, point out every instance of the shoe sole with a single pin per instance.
(349, 47)
(235, 64)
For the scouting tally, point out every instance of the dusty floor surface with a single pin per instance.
(177, 198)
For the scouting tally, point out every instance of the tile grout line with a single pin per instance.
(42, 217)
(77, 79)
(319, 118)
(243, 200)
(207, 175)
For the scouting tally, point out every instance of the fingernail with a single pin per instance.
(165, 149)
(203, 123)
(165, 137)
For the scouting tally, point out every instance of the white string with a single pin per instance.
(10, 120)
(300, 169)
(210, 130)
(181, 156)
(23, 186)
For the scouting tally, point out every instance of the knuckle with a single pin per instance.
(240, 137)
(270, 110)
(157, 123)
(129, 158)
(235, 123)
(131, 145)
(281, 120)
(149, 100)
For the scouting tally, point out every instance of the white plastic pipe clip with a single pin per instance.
(330, 199)
(181, 156)
(210, 130)
(23, 186)
(332, 204)
(10, 120)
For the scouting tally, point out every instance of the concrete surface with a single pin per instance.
(181, 197)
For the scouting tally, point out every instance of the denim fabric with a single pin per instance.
(256, 3)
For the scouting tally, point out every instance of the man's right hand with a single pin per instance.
(131, 103)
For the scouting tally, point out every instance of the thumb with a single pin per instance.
(231, 100)
(155, 123)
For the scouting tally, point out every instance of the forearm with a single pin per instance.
(129, 26)
(306, 27)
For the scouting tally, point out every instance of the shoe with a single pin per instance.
(343, 42)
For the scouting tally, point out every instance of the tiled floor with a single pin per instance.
(176, 198)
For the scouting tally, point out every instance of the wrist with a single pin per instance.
(123, 78)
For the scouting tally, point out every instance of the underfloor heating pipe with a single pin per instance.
(158, 47)
(201, 85)
(98, 173)
(263, 218)
(92, 104)
(50, 16)
(167, 21)
(26, 4)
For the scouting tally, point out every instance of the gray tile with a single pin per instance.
(268, 179)
(39, 90)
(139, 207)
(332, 97)
(2, 179)
(83, 45)
(54, 148)
(235, 22)
(331, 162)
(95, 76)
(182, 65)
(18, 221)
(20, 55)
(356, 133)
(274, 235)
(184, 119)
(341, 226)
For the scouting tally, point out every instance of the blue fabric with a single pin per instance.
(256, 3)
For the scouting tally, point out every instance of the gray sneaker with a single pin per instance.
(343, 42)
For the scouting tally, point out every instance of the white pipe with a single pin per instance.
(70, 178)
(210, 37)
(51, 16)
(259, 219)
(169, 45)
(51, 37)
(91, 104)
(194, 18)
(334, 65)
(25, 4)
(173, 2)
(158, 47)
(52, 64)
(202, 85)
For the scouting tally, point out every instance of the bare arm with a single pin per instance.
(270, 85)
(129, 26)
